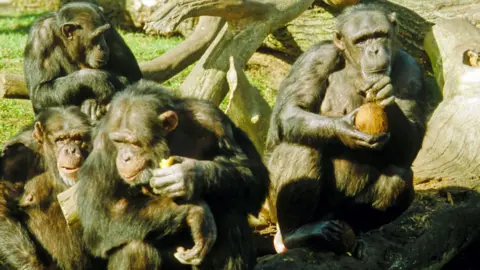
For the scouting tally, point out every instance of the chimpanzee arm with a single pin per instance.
(296, 115)
(16, 248)
(229, 169)
(239, 180)
(51, 78)
(408, 111)
(122, 62)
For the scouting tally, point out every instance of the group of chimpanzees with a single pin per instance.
(327, 177)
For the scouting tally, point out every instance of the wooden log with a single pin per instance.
(246, 107)
(186, 53)
(68, 204)
(13, 86)
(450, 146)
(415, 17)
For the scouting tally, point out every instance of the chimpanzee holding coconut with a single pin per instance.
(347, 124)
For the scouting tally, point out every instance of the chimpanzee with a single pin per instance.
(19, 158)
(131, 165)
(75, 57)
(326, 172)
(215, 162)
(36, 234)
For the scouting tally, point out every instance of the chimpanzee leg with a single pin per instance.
(391, 195)
(234, 248)
(136, 255)
(204, 233)
(295, 181)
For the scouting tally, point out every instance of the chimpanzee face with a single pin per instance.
(87, 44)
(97, 52)
(65, 140)
(139, 136)
(85, 30)
(367, 40)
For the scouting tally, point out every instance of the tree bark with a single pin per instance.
(246, 107)
(249, 22)
(186, 53)
(450, 147)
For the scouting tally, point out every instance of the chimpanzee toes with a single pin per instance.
(188, 256)
(359, 249)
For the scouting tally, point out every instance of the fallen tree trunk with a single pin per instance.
(186, 53)
(249, 22)
(246, 107)
(451, 146)
(444, 219)
(415, 17)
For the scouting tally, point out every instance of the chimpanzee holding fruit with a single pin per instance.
(331, 170)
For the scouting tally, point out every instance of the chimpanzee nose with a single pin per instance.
(126, 157)
(70, 150)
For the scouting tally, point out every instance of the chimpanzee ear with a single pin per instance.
(392, 17)
(169, 120)
(38, 132)
(338, 40)
(68, 29)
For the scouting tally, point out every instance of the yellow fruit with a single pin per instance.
(371, 119)
(165, 163)
(341, 3)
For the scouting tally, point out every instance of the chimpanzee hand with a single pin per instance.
(10, 193)
(181, 180)
(353, 138)
(380, 90)
(93, 109)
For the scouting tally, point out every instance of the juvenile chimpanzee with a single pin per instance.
(216, 163)
(131, 164)
(75, 57)
(325, 171)
(36, 235)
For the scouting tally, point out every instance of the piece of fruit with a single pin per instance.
(371, 119)
(165, 163)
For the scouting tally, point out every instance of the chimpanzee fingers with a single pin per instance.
(384, 93)
(388, 101)
(378, 138)
(163, 172)
(336, 226)
(177, 194)
(380, 84)
(177, 159)
(372, 88)
(85, 107)
(93, 111)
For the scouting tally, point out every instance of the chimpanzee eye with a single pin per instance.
(59, 141)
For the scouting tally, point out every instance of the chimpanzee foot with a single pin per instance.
(192, 256)
(328, 231)
(359, 249)
(330, 235)
(278, 243)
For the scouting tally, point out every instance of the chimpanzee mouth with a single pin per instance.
(131, 178)
(67, 170)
